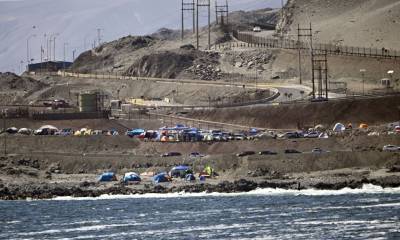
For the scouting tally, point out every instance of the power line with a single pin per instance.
(207, 4)
(190, 7)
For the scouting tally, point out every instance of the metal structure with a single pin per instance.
(222, 12)
(320, 74)
(207, 4)
(189, 7)
(303, 33)
(91, 101)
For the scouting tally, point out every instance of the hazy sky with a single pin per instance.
(76, 21)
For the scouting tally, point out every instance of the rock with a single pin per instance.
(238, 64)
(395, 168)
(250, 64)
(188, 47)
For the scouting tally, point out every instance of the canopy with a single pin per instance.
(339, 127)
(107, 177)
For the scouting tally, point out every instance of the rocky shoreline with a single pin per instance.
(92, 189)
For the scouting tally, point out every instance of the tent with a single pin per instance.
(180, 171)
(319, 127)
(25, 131)
(190, 177)
(132, 177)
(107, 177)
(161, 177)
(363, 126)
(50, 127)
(339, 127)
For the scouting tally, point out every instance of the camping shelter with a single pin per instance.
(161, 177)
(180, 171)
(107, 177)
(131, 177)
(339, 127)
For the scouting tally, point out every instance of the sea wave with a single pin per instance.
(366, 189)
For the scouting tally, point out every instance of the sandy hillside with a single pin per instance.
(364, 23)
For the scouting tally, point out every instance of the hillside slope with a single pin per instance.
(364, 23)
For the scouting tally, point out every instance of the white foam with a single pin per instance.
(366, 189)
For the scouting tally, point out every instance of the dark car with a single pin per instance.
(267, 152)
(171, 154)
(196, 154)
(291, 151)
(246, 153)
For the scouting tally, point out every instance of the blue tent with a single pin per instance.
(131, 177)
(161, 177)
(180, 171)
(190, 177)
(107, 177)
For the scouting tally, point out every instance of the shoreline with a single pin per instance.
(41, 191)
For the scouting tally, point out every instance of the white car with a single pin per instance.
(391, 148)
(256, 29)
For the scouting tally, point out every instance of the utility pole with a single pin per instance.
(222, 11)
(190, 7)
(99, 36)
(199, 4)
(73, 55)
(65, 57)
(5, 133)
(28, 60)
(303, 33)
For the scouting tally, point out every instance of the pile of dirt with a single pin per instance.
(12, 82)
(254, 59)
(15, 89)
(170, 64)
(372, 111)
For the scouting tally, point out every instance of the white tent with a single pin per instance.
(48, 127)
(339, 127)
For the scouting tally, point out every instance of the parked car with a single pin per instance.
(196, 154)
(267, 152)
(317, 150)
(257, 29)
(245, 153)
(66, 132)
(312, 135)
(391, 148)
(239, 137)
(291, 151)
(171, 154)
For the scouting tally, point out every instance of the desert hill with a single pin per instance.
(363, 23)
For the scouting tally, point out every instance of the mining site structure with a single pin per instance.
(222, 12)
(320, 73)
(303, 33)
(188, 6)
(200, 4)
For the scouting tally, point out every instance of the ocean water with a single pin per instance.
(368, 213)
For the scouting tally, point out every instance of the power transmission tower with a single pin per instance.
(190, 7)
(199, 4)
(307, 34)
(320, 73)
(222, 11)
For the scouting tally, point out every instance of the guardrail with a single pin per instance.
(250, 40)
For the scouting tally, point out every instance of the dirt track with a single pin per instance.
(372, 111)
